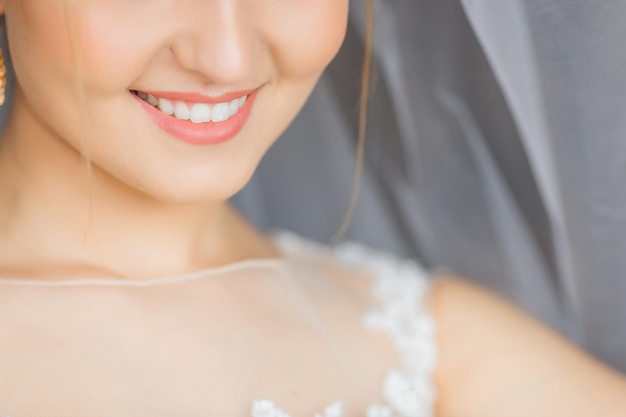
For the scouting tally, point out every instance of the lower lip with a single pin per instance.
(200, 133)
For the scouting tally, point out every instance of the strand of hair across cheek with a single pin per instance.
(362, 129)
(79, 90)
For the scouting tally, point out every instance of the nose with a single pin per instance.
(218, 41)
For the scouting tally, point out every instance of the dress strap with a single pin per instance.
(400, 287)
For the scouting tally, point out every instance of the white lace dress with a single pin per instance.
(399, 286)
(164, 323)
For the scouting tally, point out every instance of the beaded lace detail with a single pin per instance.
(399, 287)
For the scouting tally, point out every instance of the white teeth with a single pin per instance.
(181, 111)
(153, 100)
(233, 107)
(200, 113)
(220, 112)
(195, 112)
(166, 106)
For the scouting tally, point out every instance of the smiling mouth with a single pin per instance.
(194, 112)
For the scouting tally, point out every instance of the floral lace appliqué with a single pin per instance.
(266, 408)
(399, 287)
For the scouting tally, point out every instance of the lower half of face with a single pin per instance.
(178, 99)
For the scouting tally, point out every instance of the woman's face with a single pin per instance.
(239, 69)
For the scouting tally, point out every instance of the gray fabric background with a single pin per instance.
(496, 148)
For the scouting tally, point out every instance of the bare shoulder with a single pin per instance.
(495, 360)
(469, 312)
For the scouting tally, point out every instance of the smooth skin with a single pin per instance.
(155, 206)
(497, 361)
(94, 52)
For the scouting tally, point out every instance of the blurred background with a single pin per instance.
(496, 148)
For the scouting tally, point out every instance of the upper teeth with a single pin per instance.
(195, 112)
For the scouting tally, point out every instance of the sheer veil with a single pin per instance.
(495, 148)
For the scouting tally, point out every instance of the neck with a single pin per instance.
(57, 221)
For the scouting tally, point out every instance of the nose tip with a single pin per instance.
(225, 54)
(220, 46)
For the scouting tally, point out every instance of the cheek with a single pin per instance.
(116, 46)
(38, 36)
(46, 34)
(304, 35)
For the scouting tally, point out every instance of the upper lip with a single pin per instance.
(193, 97)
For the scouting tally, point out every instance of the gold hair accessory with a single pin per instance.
(3, 77)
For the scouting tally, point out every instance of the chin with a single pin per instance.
(194, 190)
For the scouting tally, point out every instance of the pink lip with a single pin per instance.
(200, 133)
(200, 98)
